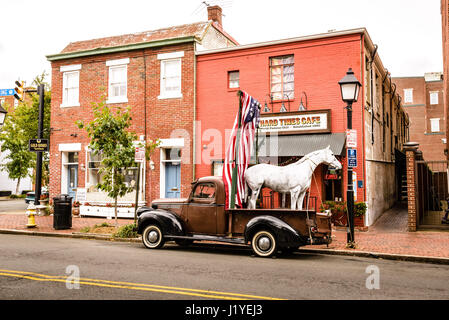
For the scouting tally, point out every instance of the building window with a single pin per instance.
(233, 79)
(70, 85)
(94, 177)
(70, 95)
(282, 78)
(118, 80)
(435, 124)
(408, 95)
(434, 97)
(171, 74)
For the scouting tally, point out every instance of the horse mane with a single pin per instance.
(305, 158)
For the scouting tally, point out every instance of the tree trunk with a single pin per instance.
(18, 186)
(116, 222)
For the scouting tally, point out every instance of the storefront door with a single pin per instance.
(72, 179)
(172, 180)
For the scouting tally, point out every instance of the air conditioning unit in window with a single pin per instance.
(94, 165)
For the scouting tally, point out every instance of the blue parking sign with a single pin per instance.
(352, 158)
(6, 92)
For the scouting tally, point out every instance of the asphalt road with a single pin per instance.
(34, 267)
(13, 206)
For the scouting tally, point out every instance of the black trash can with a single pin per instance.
(62, 216)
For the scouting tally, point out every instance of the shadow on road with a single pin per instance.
(235, 250)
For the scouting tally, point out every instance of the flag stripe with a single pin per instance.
(249, 121)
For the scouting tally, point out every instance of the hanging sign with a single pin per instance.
(38, 145)
(351, 138)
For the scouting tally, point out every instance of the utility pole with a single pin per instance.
(40, 133)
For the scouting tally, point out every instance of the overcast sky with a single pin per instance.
(408, 32)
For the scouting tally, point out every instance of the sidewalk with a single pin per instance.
(387, 238)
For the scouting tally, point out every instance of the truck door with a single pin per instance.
(202, 209)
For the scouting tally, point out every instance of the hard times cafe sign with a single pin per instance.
(301, 122)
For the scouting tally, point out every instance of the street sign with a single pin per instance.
(6, 92)
(38, 145)
(351, 138)
(352, 158)
(139, 154)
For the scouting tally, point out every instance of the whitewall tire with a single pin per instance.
(152, 237)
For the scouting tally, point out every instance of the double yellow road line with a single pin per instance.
(132, 286)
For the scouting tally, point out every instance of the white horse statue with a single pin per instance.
(294, 178)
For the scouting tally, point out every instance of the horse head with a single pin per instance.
(330, 159)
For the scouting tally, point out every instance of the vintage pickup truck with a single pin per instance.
(202, 216)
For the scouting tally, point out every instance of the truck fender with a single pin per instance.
(168, 221)
(285, 234)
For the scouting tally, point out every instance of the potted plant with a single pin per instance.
(43, 200)
(359, 214)
(76, 208)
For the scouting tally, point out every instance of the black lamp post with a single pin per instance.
(3, 113)
(350, 88)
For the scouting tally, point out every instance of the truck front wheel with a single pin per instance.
(152, 237)
(264, 243)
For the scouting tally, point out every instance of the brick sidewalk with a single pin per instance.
(45, 223)
(377, 240)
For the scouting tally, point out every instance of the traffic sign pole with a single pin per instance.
(40, 132)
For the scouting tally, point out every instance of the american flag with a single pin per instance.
(249, 121)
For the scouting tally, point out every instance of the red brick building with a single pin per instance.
(151, 72)
(423, 101)
(287, 75)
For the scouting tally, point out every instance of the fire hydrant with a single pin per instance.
(31, 212)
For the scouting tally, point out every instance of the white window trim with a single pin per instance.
(70, 68)
(170, 56)
(431, 93)
(411, 92)
(117, 63)
(435, 120)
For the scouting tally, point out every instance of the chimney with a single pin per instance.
(214, 14)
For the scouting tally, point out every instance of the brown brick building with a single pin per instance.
(151, 72)
(422, 98)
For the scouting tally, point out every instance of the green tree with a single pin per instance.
(21, 125)
(111, 138)
(15, 143)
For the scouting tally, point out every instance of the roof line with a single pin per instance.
(121, 48)
(288, 40)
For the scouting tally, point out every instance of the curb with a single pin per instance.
(378, 255)
(363, 254)
(75, 235)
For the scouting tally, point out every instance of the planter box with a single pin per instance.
(106, 212)
(359, 221)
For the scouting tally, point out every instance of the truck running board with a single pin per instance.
(208, 238)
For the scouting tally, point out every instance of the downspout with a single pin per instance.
(145, 123)
(372, 91)
(194, 114)
(362, 73)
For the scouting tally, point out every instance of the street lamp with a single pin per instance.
(3, 113)
(350, 88)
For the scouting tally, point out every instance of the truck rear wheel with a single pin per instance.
(152, 237)
(264, 243)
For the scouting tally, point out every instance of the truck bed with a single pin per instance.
(298, 219)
